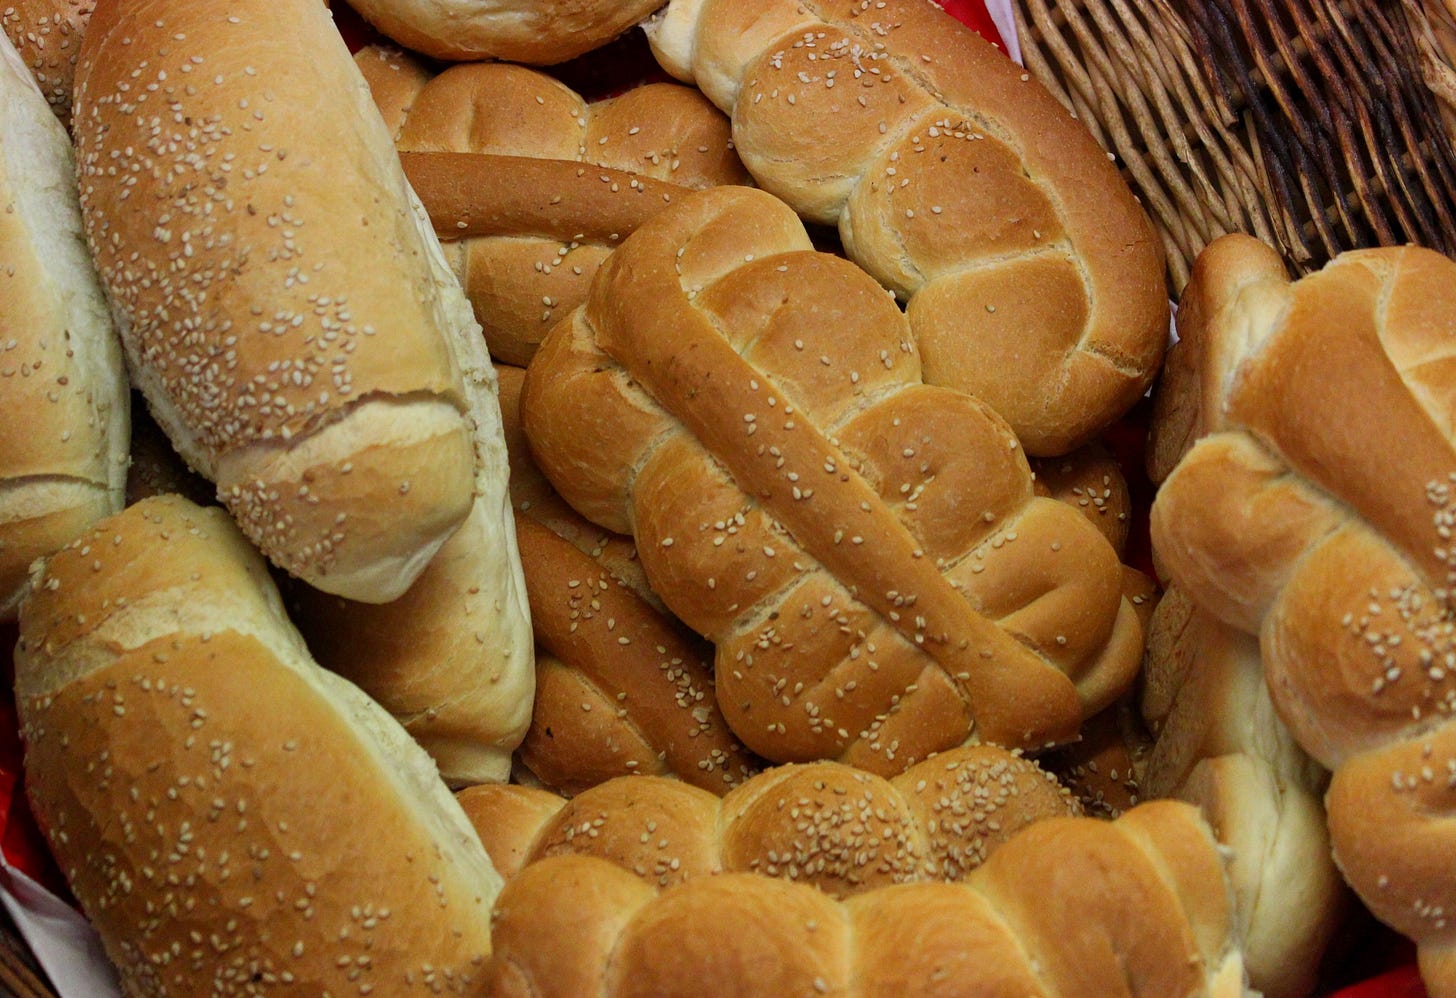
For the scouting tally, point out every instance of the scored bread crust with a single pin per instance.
(272, 283)
(64, 398)
(231, 816)
(1315, 512)
(1032, 276)
(536, 32)
(1138, 906)
(840, 829)
(864, 550)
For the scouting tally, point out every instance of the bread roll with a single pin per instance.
(622, 686)
(1068, 906)
(864, 550)
(1221, 746)
(63, 393)
(537, 32)
(497, 153)
(1309, 504)
(279, 294)
(247, 821)
(47, 34)
(840, 829)
(1033, 278)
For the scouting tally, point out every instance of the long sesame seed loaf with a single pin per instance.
(233, 818)
(530, 186)
(1306, 449)
(64, 400)
(1032, 276)
(47, 34)
(1069, 906)
(277, 289)
(834, 827)
(864, 550)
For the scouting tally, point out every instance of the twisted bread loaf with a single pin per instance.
(1068, 906)
(622, 687)
(864, 550)
(1307, 441)
(246, 820)
(525, 222)
(1033, 278)
(64, 400)
(836, 828)
(279, 295)
(1220, 745)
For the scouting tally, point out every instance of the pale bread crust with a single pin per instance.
(321, 849)
(64, 398)
(1138, 906)
(872, 540)
(276, 295)
(1032, 276)
(536, 32)
(1314, 513)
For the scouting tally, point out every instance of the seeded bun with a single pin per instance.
(251, 817)
(47, 34)
(64, 399)
(536, 32)
(284, 306)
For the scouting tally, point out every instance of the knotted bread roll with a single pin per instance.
(1068, 906)
(1306, 436)
(864, 550)
(64, 400)
(834, 827)
(1033, 278)
(279, 294)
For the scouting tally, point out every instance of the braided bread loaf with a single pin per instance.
(530, 186)
(864, 550)
(1033, 278)
(834, 827)
(622, 686)
(1068, 906)
(1307, 441)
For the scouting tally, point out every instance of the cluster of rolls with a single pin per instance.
(663, 542)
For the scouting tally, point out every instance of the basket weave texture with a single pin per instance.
(1315, 125)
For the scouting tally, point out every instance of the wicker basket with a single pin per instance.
(1313, 124)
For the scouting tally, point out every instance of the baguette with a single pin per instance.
(276, 287)
(1068, 906)
(250, 821)
(864, 550)
(63, 393)
(833, 827)
(537, 32)
(1032, 277)
(1309, 450)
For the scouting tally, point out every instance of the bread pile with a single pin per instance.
(734, 537)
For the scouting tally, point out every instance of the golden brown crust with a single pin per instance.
(47, 34)
(243, 794)
(305, 392)
(1091, 481)
(1327, 468)
(1033, 277)
(1134, 907)
(773, 491)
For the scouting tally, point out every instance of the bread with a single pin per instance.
(63, 392)
(1133, 907)
(864, 550)
(531, 186)
(47, 35)
(834, 827)
(1308, 503)
(1090, 479)
(622, 686)
(537, 32)
(1221, 746)
(280, 297)
(1032, 277)
(247, 821)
